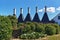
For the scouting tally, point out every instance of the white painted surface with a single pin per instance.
(56, 19)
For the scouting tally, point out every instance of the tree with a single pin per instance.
(13, 21)
(5, 28)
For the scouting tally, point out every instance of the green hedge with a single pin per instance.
(29, 27)
(5, 28)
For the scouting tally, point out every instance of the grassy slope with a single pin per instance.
(54, 37)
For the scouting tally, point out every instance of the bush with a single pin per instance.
(20, 25)
(39, 28)
(54, 25)
(30, 27)
(33, 35)
(5, 28)
(50, 30)
(57, 28)
(33, 27)
(26, 28)
(13, 20)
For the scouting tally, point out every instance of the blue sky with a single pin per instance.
(6, 7)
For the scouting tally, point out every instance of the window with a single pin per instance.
(58, 17)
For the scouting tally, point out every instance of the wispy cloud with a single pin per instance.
(41, 10)
(50, 9)
(58, 9)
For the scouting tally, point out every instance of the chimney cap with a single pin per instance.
(28, 9)
(45, 8)
(14, 11)
(21, 10)
(36, 9)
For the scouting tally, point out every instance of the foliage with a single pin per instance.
(5, 28)
(30, 27)
(29, 30)
(26, 28)
(40, 29)
(33, 35)
(57, 28)
(20, 25)
(13, 20)
(50, 30)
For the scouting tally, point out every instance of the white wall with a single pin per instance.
(56, 19)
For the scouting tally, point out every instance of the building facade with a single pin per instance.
(57, 19)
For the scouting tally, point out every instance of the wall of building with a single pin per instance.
(56, 19)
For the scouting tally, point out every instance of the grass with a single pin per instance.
(54, 37)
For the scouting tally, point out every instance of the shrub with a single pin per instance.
(5, 28)
(33, 27)
(54, 25)
(13, 20)
(30, 27)
(39, 28)
(50, 30)
(57, 28)
(20, 25)
(26, 29)
(33, 35)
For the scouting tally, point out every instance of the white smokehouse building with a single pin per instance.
(57, 19)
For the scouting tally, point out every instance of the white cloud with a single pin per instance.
(50, 9)
(41, 10)
(58, 8)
